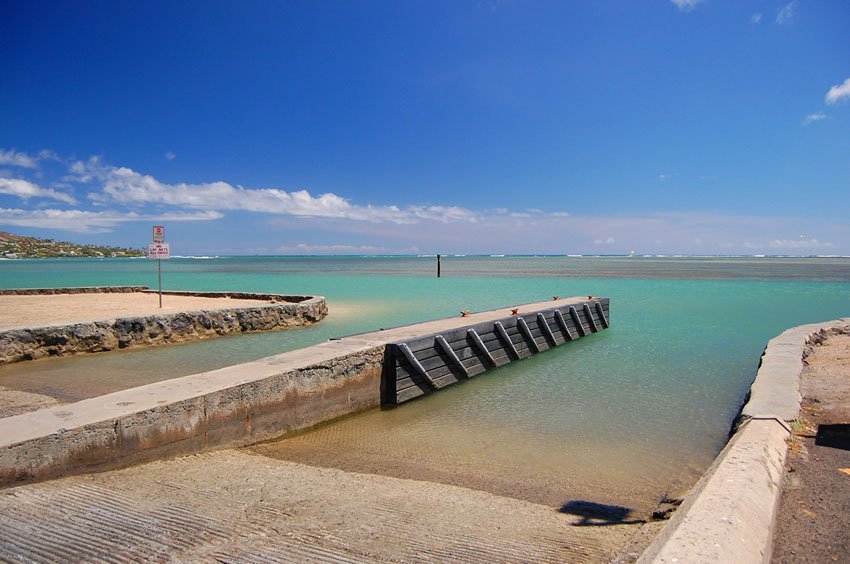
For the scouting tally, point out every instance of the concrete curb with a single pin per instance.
(776, 389)
(730, 514)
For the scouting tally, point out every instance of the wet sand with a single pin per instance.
(502, 460)
(60, 309)
(14, 402)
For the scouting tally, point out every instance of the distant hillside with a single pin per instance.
(15, 246)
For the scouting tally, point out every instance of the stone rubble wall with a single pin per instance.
(98, 336)
(76, 290)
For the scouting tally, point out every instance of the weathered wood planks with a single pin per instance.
(424, 364)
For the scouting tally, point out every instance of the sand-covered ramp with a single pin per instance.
(236, 506)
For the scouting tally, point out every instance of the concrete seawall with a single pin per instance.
(229, 407)
(729, 515)
(29, 343)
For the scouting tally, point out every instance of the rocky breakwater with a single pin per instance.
(282, 311)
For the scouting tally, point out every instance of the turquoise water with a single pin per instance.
(621, 416)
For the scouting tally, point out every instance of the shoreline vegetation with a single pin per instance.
(16, 246)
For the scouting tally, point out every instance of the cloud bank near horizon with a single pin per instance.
(93, 197)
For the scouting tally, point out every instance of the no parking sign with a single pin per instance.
(159, 250)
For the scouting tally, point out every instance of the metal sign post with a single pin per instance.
(159, 250)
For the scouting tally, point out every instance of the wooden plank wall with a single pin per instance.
(425, 364)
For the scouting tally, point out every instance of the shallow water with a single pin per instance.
(622, 417)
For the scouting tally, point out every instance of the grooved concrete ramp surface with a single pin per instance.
(236, 506)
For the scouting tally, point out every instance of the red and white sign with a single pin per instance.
(158, 233)
(159, 251)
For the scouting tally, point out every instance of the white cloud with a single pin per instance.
(85, 172)
(786, 12)
(126, 186)
(687, 5)
(756, 18)
(442, 214)
(608, 241)
(89, 222)
(817, 116)
(47, 154)
(15, 158)
(23, 160)
(305, 249)
(170, 156)
(796, 244)
(26, 190)
(838, 92)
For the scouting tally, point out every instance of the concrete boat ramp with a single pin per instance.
(247, 403)
(199, 497)
(173, 484)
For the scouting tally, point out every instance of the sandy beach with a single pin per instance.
(56, 309)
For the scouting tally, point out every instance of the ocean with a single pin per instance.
(623, 417)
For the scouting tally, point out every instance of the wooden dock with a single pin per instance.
(419, 366)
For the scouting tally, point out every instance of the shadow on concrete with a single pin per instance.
(598, 514)
(834, 436)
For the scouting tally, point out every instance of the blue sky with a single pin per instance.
(685, 126)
